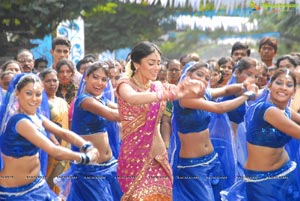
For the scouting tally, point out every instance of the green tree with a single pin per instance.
(21, 20)
(108, 24)
(112, 26)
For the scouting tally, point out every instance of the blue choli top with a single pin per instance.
(85, 122)
(191, 120)
(12, 143)
(259, 132)
(236, 115)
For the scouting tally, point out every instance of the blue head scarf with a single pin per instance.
(10, 107)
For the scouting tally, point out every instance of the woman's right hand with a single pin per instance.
(248, 82)
(190, 88)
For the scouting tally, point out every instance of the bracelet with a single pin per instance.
(86, 146)
(81, 159)
(250, 94)
(87, 159)
(84, 159)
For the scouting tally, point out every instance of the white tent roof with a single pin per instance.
(229, 5)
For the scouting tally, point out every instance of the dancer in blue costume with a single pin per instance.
(1, 102)
(270, 174)
(113, 129)
(199, 174)
(245, 69)
(44, 110)
(23, 134)
(92, 113)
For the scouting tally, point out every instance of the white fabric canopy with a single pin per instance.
(229, 5)
(237, 24)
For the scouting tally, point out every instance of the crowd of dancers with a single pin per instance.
(148, 129)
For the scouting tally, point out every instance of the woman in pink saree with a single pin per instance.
(143, 169)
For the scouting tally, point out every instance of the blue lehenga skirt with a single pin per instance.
(36, 190)
(199, 178)
(276, 185)
(90, 182)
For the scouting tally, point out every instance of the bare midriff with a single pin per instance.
(194, 145)
(19, 171)
(262, 158)
(101, 142)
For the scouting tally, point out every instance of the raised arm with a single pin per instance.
(295, 116)
(136, 98)
(231, 89)
(187, 88)
(32, 134)
(279, 120)
(227, 90)
(94, 106)
(216, 107)
(112, 105)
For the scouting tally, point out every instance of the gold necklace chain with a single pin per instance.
(145, 87)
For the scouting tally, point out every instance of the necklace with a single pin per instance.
(98, 98)
(145, 86)
(36, 121)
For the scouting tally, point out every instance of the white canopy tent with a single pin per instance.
(229, 5)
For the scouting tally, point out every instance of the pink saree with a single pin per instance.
(142, 176)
